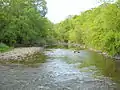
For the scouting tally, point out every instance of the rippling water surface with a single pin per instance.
(64, 70)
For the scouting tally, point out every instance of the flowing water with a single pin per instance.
(64, 69)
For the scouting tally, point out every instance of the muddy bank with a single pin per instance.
(20, 53)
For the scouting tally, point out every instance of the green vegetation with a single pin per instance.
(4, 47)
(23, 22)
(98, 28)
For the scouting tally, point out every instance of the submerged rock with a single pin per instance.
(76, 51)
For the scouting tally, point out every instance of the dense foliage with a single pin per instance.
(23, 22)
(97, 28)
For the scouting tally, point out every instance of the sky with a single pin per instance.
(58, 10)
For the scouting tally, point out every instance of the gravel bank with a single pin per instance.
(19, 53)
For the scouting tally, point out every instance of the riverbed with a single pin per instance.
(64, 69)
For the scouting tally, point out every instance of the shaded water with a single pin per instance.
(64, 70)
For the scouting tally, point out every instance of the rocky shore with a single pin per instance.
(20, 53)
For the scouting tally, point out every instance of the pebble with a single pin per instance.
(19, 53)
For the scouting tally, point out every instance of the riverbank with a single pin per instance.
(20, 53)
(116, 57)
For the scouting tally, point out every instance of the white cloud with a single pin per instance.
(59, 9)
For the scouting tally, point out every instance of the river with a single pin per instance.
(64, 69)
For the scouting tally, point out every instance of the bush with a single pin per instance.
(3, 47)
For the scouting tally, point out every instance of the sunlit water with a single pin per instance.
(64, 70)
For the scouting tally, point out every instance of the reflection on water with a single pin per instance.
(103, 66)
(63, 69)
(91, 62)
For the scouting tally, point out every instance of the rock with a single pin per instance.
(117, 57)
(19, 53)
(76, 51)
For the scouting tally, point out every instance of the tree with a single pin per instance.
(23, 22)
(98, 28)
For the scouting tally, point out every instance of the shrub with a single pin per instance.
(3, 47)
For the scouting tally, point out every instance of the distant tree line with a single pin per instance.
(97, 28)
